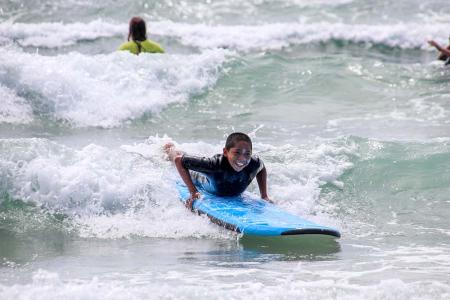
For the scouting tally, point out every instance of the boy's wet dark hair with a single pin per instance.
(138, 30)
(235, 137)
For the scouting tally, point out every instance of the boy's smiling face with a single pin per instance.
(239, 155)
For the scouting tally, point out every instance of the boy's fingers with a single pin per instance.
(168, 146)
(190, 203)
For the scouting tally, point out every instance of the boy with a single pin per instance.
(226, 174)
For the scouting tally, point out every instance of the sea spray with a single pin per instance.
(108, 90)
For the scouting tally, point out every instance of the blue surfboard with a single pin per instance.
(253, 216)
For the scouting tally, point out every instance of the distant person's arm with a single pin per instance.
(439, 47)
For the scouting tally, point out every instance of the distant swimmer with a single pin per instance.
(445, 52)
(137, 39)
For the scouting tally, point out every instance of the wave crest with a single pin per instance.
(108, 90)
(272, 36)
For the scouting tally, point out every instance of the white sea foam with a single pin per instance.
(14, 109)
(49, 285)
(270, 36)
(298, 173)
(313, 3)
(277, 36)
(428, 110)
(108, 90)
(59, 34)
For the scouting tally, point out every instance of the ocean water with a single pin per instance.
(345, 102)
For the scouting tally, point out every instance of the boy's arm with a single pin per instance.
(184, 173)
(261, 177)
(176, 156)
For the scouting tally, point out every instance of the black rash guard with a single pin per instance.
(216, 176)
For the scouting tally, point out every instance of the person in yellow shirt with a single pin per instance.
(137, 39)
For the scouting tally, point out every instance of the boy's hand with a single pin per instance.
(171, 152)
(267, 199)
(168, 148)
(190, 201)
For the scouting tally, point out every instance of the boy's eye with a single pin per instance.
(246, 153)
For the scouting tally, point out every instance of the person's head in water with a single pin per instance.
(238, 150)
(138, 30)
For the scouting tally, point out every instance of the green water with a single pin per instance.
(344, 102)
